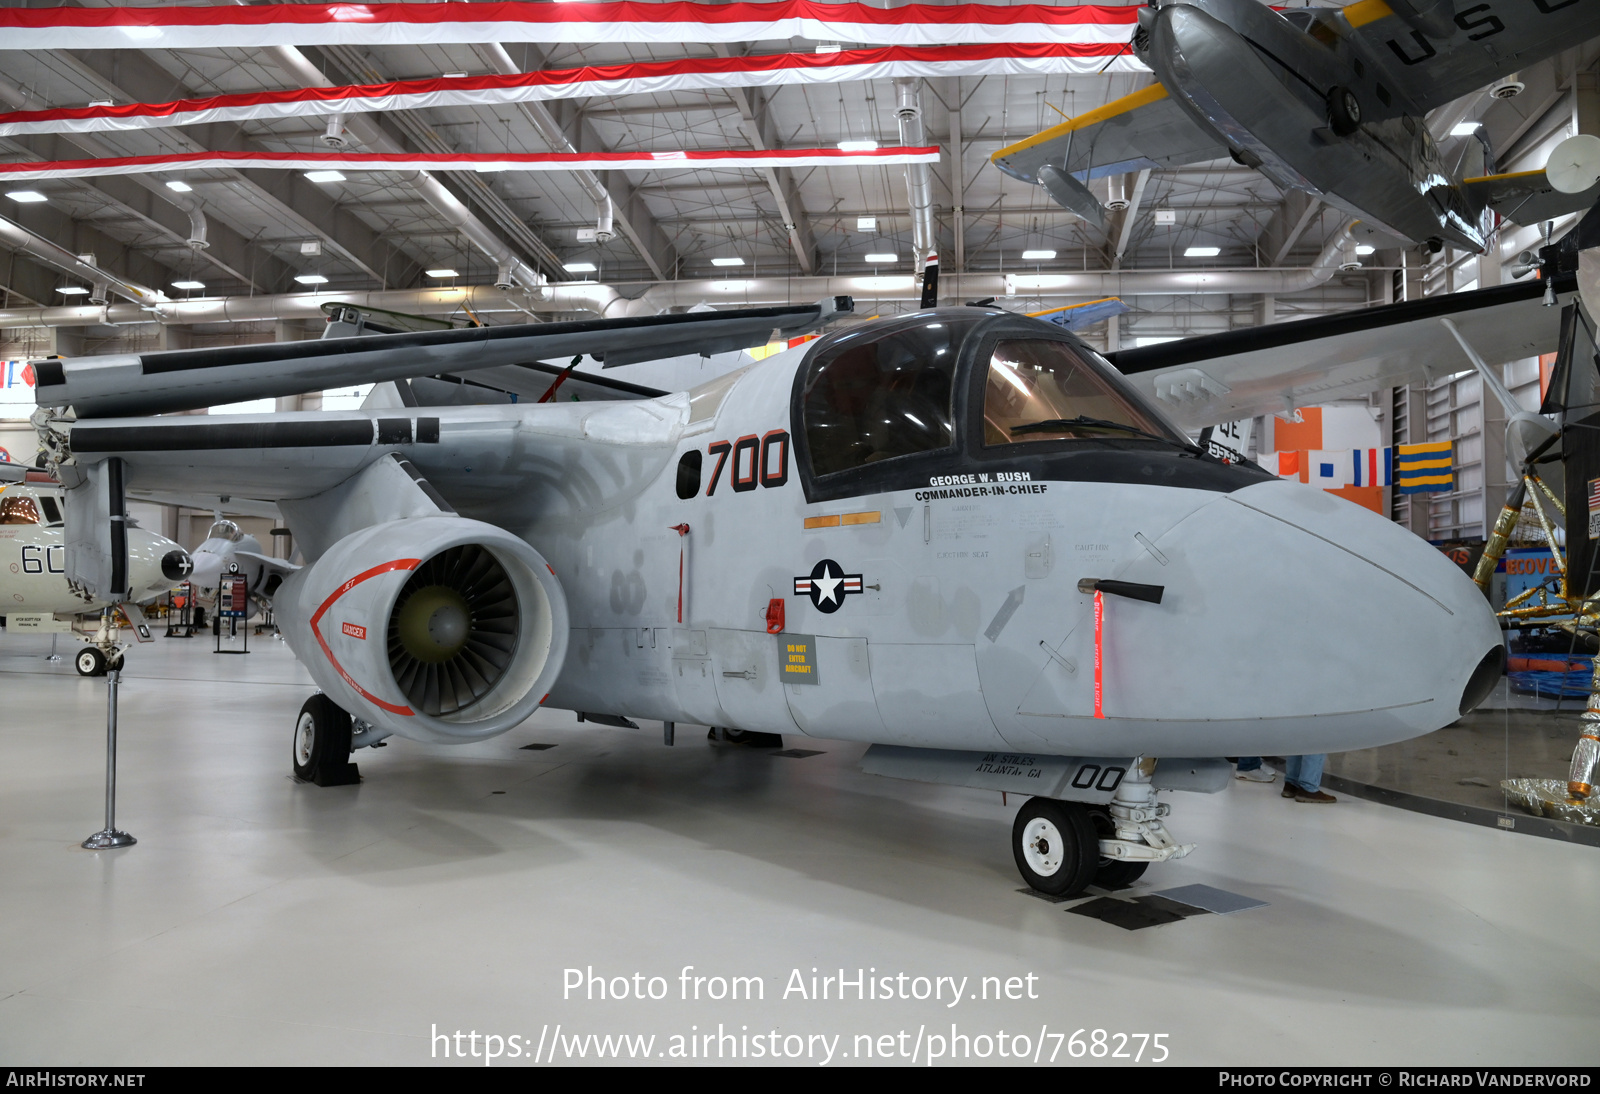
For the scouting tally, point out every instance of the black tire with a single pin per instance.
(114, 662)
(1113, 873)
(321, 747)
(1344, 111)
(90, 662)
(1055, 846)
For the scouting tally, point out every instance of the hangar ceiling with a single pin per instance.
(384, 231)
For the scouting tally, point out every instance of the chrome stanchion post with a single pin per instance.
(109, 836)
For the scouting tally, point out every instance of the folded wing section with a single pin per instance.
(1266, 370)
(160, 383)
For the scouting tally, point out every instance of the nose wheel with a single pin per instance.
(1055, 845)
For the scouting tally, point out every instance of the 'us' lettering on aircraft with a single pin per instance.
(959, 536)
(1328, 101)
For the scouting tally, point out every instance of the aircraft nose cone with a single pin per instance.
(1451, 644)
(176, 565)
(205, 568)
(1296, 621)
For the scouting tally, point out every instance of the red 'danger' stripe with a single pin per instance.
(383, 568)
(1099, 623)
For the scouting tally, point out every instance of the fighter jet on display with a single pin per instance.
(34, 586)
(1329, 101)
(959, 536)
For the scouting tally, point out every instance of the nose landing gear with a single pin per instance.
(1062, 847)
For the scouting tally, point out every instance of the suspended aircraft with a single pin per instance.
(959, 536)
(35, 588)
(1329, 101)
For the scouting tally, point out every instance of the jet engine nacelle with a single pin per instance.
(439, 628)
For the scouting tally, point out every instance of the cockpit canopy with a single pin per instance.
(225, 530)
(30, 507)
(959, 384)
(19, 510)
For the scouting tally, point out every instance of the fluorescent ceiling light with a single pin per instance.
(188, 284)
(179, 185)
(883, 258)
(580, 267)
(1365, 249)
(1201, 252)
(26, 196)
(858, 146)
(100, 102)
(866, 224)
(325, 176)
(443, 271)
(1464, 129)
(455, 75)
(1037, 256)
(312, 279)
(73, 290)
(727, 262)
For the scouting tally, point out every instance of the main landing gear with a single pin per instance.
(322, 744)
(1063, 847)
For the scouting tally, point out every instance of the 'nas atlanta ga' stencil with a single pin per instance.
(827, 586)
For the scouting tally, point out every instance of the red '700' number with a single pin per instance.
(756, 461)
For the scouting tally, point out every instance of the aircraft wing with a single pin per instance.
(1267, 370)
(1481, 45)
(1527, 197)
(1138, 131)
(157, 383)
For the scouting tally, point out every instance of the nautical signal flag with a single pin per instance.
(1425, 468)
(16, 374)
(1372, 466)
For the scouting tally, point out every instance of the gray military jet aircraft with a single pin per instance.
(959, 536)
(1324, 100)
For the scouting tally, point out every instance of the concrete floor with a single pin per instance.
(264, 921)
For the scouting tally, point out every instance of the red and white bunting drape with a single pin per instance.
(257, 25)
(408, 161)
(689, 74)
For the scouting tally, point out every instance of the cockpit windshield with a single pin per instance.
(225, 530)
(1043, 390)
(869, 398)
(19, 510)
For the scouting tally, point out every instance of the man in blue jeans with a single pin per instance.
(1302, 777)
(1302, 780)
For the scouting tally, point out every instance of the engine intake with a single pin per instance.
(437, 628)
(453, 631)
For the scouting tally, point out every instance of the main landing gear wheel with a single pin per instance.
(90, 662)
(322, 744)
(1344, 111)
(1055, 846)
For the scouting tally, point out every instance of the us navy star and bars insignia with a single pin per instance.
(827, 586)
